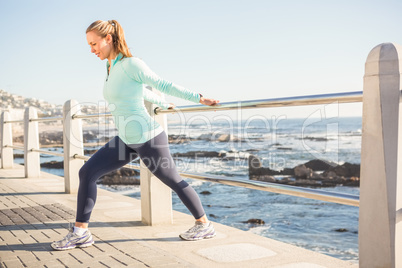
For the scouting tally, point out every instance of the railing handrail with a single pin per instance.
(86, 116)
(14, 147)
(46, 152)
(344, 97)
(13, 121)
(45, 119)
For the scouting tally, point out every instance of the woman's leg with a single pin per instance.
(111, 156)
(156, 156)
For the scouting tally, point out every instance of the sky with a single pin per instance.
(226, 50)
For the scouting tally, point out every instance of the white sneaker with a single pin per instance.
(199, 231)
(73, 240)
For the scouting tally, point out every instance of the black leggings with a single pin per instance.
(155, 155)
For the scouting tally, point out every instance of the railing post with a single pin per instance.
(380, 227)
(31, 141)
(73, 144)
(7, 154)
(156, 197)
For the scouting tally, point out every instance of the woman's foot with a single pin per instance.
(199, 231)
(74, 240)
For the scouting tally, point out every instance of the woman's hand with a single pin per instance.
(209, 102)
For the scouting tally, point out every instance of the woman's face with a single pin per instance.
(102, 47)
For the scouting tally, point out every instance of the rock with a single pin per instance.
(90, 136)
(319, 165)
(225, 138)
(284, 148)
(213, 216)
(288, 171)
(118, 180)
(346, 174)
(178, 139)
(236, 155)
(314, 138)
(346, 170)
(206, 137)
(265, 178)
(206, 192)
(254, 162)
(90, 151)
(122, 176)
(195, 154)
(302, 171)
(330, 174)
(53, 164)
(255, 221)
(341, 230)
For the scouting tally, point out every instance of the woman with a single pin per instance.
(138, 134)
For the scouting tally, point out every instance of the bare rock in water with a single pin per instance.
(255, 221)
(319, 165)
(53, 164)
(303, 172)
(307, 175)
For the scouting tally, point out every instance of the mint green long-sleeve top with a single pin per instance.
(125, 91)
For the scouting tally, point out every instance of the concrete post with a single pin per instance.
(31, 141)
(7, 154)
(380, 230)
(156, 197)
(72, 144)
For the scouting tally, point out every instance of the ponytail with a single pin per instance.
(112, 27)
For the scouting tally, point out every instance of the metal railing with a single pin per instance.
(345, 97)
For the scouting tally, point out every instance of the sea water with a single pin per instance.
(279, 143)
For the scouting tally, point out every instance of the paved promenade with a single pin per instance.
(36, 211)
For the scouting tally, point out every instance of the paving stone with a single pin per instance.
(105, 247)
(9, 238)
(13, 264)
(173, 265)
(155, 260)
(44, 255)
(81, 255)
(27, 257)
(127, 260)
(235, 252)
(111, 262)
(7, 256)
(137, 265)
(94, 251)
(51, 264)
(68, 260)
(27, 240)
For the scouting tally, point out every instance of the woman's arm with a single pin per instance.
(155, 98)
(139, 71)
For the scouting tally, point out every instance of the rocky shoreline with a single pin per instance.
(314, 173)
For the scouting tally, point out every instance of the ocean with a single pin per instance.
(279, 143)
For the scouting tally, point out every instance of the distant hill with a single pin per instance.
(16, 105)
(10, 102)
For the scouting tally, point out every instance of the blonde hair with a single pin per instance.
(112, 27)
